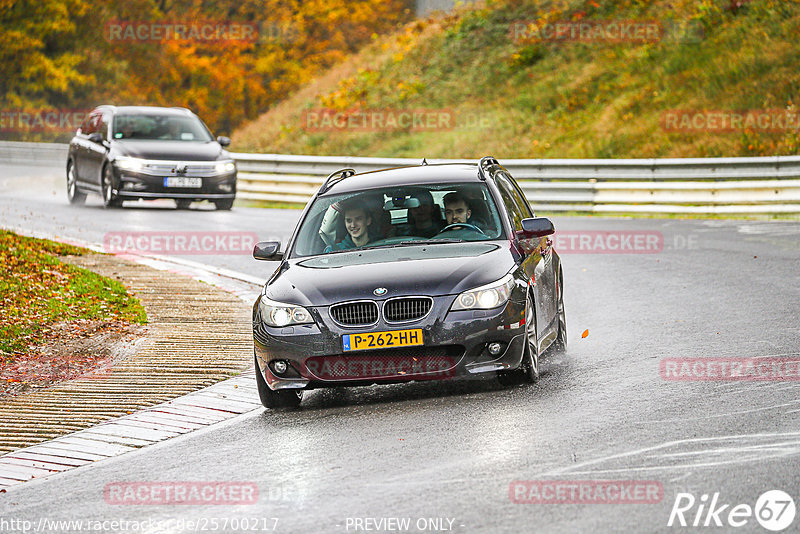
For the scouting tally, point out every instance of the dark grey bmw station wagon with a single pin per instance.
(428, 272)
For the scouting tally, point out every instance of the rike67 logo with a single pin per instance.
(774, 510)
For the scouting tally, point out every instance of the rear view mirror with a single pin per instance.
(224, 141)
(268, 250)
(96, 137)
(537, 227)
(400, 202)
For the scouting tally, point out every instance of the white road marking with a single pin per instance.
(782, 445)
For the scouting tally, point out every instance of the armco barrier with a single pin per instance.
(703, 186)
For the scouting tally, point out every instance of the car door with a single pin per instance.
(96, 152)
(81, 149)
(538, 255)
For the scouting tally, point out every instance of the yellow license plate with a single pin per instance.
(382, 340)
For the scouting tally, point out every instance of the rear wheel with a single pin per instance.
(110, 200)
(74, 196)
(183, 203)
(224, 204)
(560, 344)
(287, 398)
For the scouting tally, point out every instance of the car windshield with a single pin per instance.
(160, 127)
(397, 217)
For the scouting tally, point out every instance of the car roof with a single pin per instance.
(143, 110)
(406, 176)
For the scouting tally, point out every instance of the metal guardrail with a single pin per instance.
(703, 186)
(49, 154)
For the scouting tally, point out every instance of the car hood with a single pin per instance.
(170, 150)
(433, 271)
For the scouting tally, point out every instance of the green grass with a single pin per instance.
(558, 99)
(38, 290)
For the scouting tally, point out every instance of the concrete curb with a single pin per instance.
(199, 335)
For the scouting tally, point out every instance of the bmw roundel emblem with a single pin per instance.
(380, 291)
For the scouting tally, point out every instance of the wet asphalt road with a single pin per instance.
(423, 451)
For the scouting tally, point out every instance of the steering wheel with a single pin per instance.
(461, 225)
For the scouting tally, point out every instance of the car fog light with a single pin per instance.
(227, 188)
(280, 367)
(495, 348)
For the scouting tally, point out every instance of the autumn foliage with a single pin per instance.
(59, 54)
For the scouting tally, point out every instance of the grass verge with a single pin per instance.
(38, 292)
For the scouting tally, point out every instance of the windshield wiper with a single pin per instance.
(434, 241)
(411, 243)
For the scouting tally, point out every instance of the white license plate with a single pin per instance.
(182, 181)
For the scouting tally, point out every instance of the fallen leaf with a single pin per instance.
(585, 334)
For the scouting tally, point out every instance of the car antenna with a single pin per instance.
(424, 161)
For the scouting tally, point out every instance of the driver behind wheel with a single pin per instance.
(456, 208)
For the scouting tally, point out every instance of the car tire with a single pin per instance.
(560, 344)
(110, 200)
(73, 194)
(530, 354)
(224, 205)
(183, 203)
(528, 371)
(288, 398)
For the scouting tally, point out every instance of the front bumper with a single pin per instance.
(455, 345)
(132, 185)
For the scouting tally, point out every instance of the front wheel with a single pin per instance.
(530, 356)
(225, 204)
(528, 371)
(74, 196)
(287, 398)
(110, 200)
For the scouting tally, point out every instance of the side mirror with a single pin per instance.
(224, 141)
(268, 250)
(536, 227)
(96, 137)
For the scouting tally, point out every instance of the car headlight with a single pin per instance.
(129, 164)
(278, 314)
(225, 166)
(486, 297)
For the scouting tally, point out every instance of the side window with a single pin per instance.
(104, 120)
(90, 124)
(516, 194)
(514, 212)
